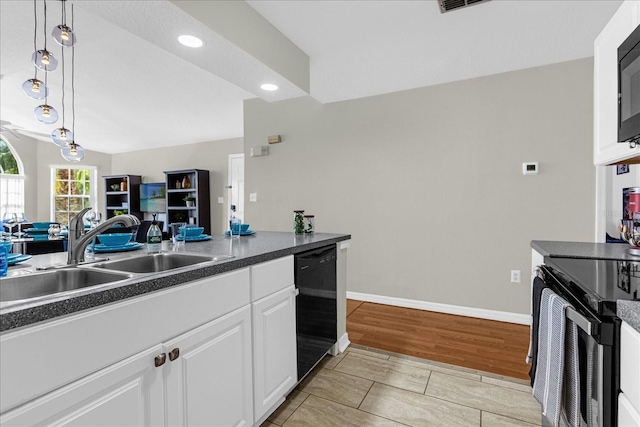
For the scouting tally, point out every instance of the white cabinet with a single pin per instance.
(127, 394)
(629, 397)
(274, 346)
(274, 334)
(79, 370)
(209, 380)
(606, 148)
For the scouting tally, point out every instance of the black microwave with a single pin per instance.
(629, 89)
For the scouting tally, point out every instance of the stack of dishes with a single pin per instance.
(38, 231)
(192, 234)
(14, 259)
(244, 230)
(116, 242)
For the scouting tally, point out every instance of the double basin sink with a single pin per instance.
(65, 280)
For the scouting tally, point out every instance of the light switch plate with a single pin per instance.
(220, 199)
(253, 197)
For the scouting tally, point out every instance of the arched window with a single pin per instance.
(11, 180)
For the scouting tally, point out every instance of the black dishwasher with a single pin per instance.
(316, 330)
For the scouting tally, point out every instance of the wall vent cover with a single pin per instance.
(449, 5)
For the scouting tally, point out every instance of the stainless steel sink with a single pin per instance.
(159, 262)
(53, 282)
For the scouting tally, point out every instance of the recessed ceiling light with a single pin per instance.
(269, 86)
(190, 41)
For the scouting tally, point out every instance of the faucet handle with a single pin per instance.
(74, 223)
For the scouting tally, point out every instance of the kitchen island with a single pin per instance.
(246, 251)
(213, 343)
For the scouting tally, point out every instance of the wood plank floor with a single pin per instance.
(485, 345)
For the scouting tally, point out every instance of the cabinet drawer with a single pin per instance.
(271, 276)
(629, 366)
(38, 359)
(628, 416)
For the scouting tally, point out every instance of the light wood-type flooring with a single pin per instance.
(484, 345)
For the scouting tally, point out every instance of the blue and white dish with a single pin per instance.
(242, 233)
(37, 230)
(17, 259)
(131, 246)
(199, 238)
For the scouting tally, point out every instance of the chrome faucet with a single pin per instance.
(79, 239)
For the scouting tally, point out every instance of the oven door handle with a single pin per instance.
(577, 318)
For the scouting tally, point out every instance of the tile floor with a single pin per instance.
(368, 387)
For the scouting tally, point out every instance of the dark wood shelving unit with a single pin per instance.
(177, 209)
(114, 199)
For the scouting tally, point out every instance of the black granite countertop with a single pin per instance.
(247, 250)
(615, 251)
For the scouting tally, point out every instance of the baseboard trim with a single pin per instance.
(341, 345)
(481, 313)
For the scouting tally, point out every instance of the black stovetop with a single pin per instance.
(599, 283)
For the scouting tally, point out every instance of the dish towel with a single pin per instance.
(571, 387)
(547, 385)
(536, 293)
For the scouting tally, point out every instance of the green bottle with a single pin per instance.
(154, 238)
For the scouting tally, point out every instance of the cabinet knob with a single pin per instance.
(160, 359)
(174, 354)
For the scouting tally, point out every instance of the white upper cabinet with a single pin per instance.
(606, 148)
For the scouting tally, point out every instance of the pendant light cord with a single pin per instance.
(73, 84)
(63, 91)
(35, 34)
(44, 27)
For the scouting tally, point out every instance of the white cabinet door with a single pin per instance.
(274, 346)
(606, 148)
(209, 383)
(627, 414)
(126, 394)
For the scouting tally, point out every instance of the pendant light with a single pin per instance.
(45, 113)
(73, 152)
(43, 59)
(62, 136)
(35, 88)
(62, 34)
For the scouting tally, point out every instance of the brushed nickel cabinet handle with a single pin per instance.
(160, 359)
(174, 354)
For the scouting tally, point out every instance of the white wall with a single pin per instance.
(212, 156)
(37, 158)
(428, 182)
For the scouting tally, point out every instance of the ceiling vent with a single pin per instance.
(449, 5)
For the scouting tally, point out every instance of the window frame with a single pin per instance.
(93, 185)
(20, 176)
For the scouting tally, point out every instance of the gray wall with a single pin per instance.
(37, 158)
(213, 156)
(429, 181)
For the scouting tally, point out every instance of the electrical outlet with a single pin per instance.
(253, 197)
(220, 199)
(515, 276)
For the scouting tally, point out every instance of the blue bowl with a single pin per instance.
(115, 239)
(7, 245)
(191, 231)
(244, 227)
(41, 225)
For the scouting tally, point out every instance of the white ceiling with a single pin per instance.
(137, 88)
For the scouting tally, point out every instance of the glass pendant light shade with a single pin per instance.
(44, 60)
(72, 152)
(35, 89)
(46, 114)
(62, 137)
(64, 35)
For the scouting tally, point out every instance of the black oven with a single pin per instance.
(629, 88)
(592, 287)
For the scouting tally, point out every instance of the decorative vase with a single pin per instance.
(186, 182)
(190, 203)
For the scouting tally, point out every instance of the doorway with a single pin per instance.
(236, 185)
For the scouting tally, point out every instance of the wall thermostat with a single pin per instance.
(530, 168)
(259, 151)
